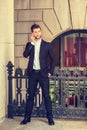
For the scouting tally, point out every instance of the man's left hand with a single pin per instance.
(49, 74)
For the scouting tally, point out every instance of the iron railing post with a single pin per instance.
(10, 71)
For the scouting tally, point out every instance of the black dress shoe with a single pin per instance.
(51, 122)
(25, 121)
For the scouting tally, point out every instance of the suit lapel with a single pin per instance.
(41, 47)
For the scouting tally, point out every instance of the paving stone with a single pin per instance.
(42, 124)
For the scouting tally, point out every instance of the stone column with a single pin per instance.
(6, 49)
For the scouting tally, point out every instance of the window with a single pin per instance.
(71, 49)
(75, 50)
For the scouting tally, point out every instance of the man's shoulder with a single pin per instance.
(28, 44)
(45, 42)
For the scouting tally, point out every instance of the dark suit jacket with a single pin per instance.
(45, 52)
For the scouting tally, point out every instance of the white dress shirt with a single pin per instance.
(36, 64)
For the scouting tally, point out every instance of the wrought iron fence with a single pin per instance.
(68, 92)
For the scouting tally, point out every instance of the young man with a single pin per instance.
(38, 70)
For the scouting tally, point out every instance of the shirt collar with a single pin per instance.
(38, 41)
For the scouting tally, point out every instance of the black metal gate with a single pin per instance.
(68, 91)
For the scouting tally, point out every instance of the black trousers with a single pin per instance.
(44, 83)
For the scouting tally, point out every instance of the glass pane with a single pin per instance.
(71, 48)
(83, 50)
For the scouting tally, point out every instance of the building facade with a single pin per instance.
(55, 18)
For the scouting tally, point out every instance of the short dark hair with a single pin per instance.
(34, 26)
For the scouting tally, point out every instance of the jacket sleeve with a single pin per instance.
(27, 50)
(52, 59)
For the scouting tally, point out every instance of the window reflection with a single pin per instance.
(83, 50)
(70, 51)
(75, 50)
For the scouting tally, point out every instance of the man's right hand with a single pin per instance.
(32, 38)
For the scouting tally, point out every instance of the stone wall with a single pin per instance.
(54, 17)
(6, 50)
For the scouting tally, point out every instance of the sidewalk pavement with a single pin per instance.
(42, 124)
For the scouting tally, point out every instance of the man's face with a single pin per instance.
(37, 33)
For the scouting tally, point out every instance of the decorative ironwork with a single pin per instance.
(68, 92)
